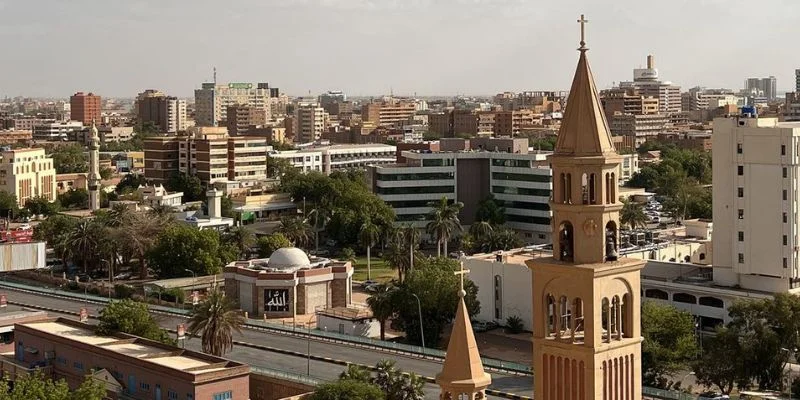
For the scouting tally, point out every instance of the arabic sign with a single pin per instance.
(276, 300)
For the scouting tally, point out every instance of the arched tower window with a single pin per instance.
(565, 318)
(568, 187)
(592, 189)
(608, 188)
(550, 316)
(606, 320)
(616, 318)
(584, 189)
(627, 324)
(613, 188)
(611, 241)
(565, 242)
(577, 320)
(563, 191)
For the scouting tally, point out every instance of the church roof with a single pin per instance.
(462, 364)
(584, 129)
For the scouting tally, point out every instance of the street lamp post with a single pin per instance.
(421, 331)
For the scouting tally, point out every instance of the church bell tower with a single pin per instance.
(586, 299)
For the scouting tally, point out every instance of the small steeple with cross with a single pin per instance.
(461, 272)
(583, 21)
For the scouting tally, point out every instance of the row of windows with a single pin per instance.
(411, 217)
(684, 298)
(427, 176)
(739, 149)
(528, 219)
(511, 163)
(523, 191)
(416, 190)
(740, 171)
(524, 205)
(507, 176)
(412, 203)
(438, 162)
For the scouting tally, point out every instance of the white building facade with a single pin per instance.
(212, 101)
(28, 173)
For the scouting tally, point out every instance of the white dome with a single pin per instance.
(288, 258)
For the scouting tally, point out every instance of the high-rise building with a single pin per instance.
(797, 80)
(388, 111)
(586, 299)
(310, 122)
(85, 107)
(240, 118)
(28, 173)
(161, 158)
(646, 82)
(756, 176)
(624, 102)
(700, 98)
(166, 112)
(639, 126)
(212, 100)
(762, 87)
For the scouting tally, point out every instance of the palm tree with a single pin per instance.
(401, 250)
(214, 320)
(141, 235)
(408, 387)
(385, 375)
(357, 373)
(118, 215)
(242, 238)
(382, 305)
(295, 229)
(84, 240)
(632, 214)
(443, 222)
(368, 235)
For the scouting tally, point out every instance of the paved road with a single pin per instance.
(521, 385)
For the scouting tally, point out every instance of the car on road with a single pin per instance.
(368, 282)
(713, 396)
(122, 276)
(25, 227)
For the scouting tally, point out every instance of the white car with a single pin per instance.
(25, 227)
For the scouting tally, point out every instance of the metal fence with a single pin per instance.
(289, 376)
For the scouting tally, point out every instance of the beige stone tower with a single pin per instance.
(586, 301)
(462, 376)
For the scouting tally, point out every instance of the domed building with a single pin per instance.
(288, 283)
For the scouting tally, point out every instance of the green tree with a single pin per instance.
(347, 389)
(133, 318)
(106, 174)
(545, 144)
(381, 304)
(40, 387)
(357, 373)
(436, 285)
(140, 235)
(40, 205)
(182, 247)
(241, 238)
(347, 254)
(84, 240)
(190, 185)
(503, 239)
(489, 210)
(669, 342)
(69, 159)
(269, 243)
(130, 183)
(214, 320)
(444, 222)
(226, 207)
(296, 229)
(368, 235)
(721, 364)
(8, 204)
(632, 214)
(279, 167)
(74, 199)
(402, 249)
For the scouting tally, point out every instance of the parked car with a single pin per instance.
(82, 277)
(368, 282)
(122, 276)
(483, 326)
(25, 227)
(713, 396)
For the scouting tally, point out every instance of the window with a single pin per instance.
(783, 149)
(189, 396)
(741, 214)
(78, 365)
(171, 395)
(223, 396)
(144, 386)
(785, 262)
(61, 360)
(785, 172)
(738, 148)
(740, 170)
(785, 218)
(741, 236)
(784, 194)
(740, 192)
(741, 258)
(785, 240)
(498, 297)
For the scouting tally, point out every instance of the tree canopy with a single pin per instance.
(669, 342)
(69, 158)
(269, 243)
(182, 247)
(133, 318)
(190, 185)
(40, 387)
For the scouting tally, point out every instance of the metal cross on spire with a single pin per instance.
(583, 21)
(460, 273)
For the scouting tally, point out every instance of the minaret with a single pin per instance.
(586, 300)
(94, 168)
(462, 376)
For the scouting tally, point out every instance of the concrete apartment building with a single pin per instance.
(329, 158)
(763, 87)
(641, 126)
(472, 122)
(619, 101)
(388, 111)
(210, 154)
(85, 107)
(469, 171)
(699, 98)
(23, 123)
(756, 179)
(310, 122)
(57, 131)
(646, 82)
(168, 113)
(241, 118)
(28, 173)
(212, 100)
(133, 367)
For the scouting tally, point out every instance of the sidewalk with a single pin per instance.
(498, 344)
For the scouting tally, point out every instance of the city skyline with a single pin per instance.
(374, 47)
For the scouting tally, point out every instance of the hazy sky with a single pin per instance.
(118, 48)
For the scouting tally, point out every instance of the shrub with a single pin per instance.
(514, 324)
(122, 291)
(173, 295)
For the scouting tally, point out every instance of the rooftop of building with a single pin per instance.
(286, 259)
(147, 351)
